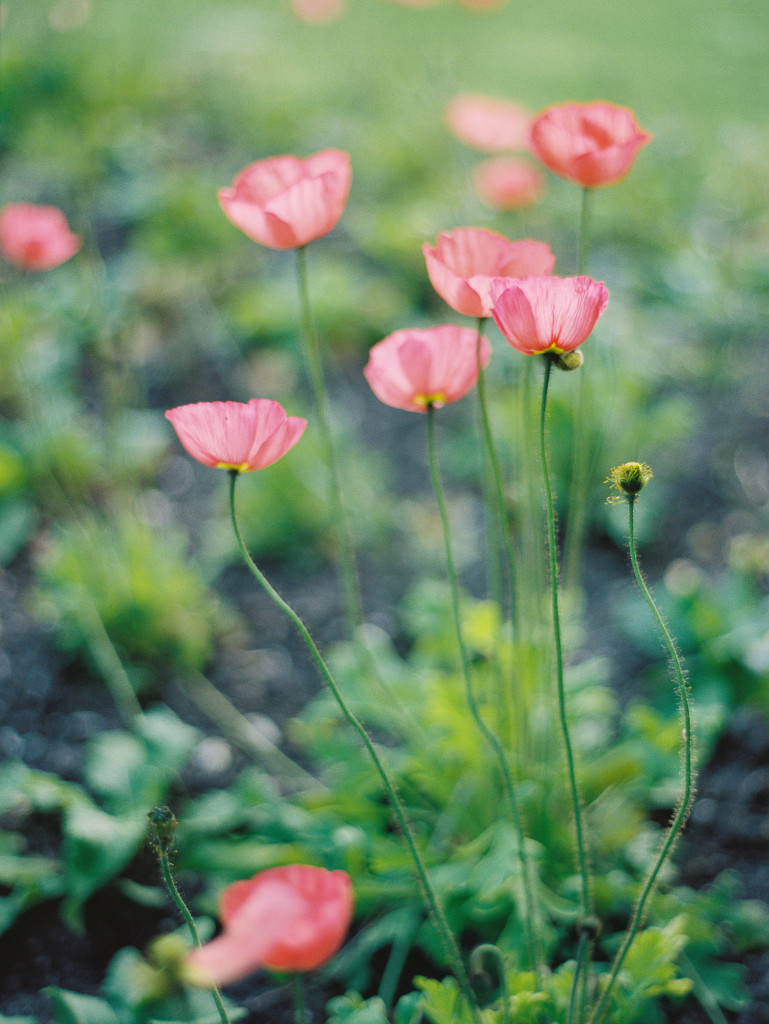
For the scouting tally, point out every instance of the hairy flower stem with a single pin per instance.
(300, 1003)
(430, 894)
(580, 452)
(576, 807)
(532, 940)
(176, 897)
(583, 238)
(687, 770)
(499, 491)
(344, 549)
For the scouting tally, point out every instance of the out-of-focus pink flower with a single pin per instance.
(317, 12)
(483, 5)
(285, 201)
(286, 919)
(547, 314)
(591, 144)
(431, 366)
(508, 183)
(464, 262)
(236, 435)
(36, 237)
(487, 123)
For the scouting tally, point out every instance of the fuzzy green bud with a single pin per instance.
(162, 825)
(630, 478)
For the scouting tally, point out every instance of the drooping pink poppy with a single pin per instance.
(508, 183)
(547, 314)
(422, 367)
(590, 144)
(317, 12)
(36, 237)
(286, 919)
(285, 201)
(236, 435)
(487, 123)
(464, 262)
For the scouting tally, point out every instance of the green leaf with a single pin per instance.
(74, 1008)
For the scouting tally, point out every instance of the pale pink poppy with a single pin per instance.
(317, 12)
(590, 144)
(285, 201)
(36, 237)
(547, 314)
(508, 183)
(487, 123)
(430, 366)
(464, 262)
(236, 435)
(290, 918)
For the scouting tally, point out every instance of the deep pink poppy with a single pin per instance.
(236, 435)
(487, 123)
(286, 919)
(591, 144)
(431, 366)
(284, 202)
(547, 314)
(464, 262)
(508, 183)
(36, 237)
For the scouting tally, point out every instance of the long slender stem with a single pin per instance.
(168, 878)
(583, 240)
(584, 963)
(580, 452)
(687, 768)
(576, 807)
(496, 472)
(530, 929)
(346, 559)
(430, 893)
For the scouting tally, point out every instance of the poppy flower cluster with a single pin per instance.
(291, 919)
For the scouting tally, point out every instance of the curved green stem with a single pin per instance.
(530, 929)
(687, 767)
(430, 893)
(173, 892)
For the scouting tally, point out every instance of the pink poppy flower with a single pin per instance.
(432, 366)
(286, 919)
(547, 314)
(236, 435)
(36, 237)
(508, 183)
(317, 12)
(590, 144)
(464, 262)
(284, 202)
(487, 123)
